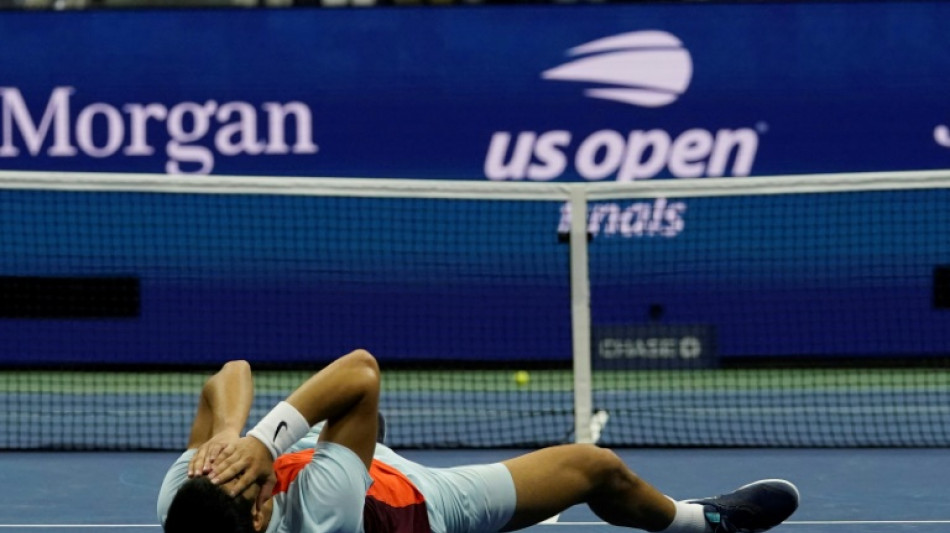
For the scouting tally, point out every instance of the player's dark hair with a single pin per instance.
(201, 506)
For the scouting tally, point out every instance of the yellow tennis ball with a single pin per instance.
(522, 377)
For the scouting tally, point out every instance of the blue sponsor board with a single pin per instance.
(619, 92)
(587, 93)
(653, 346)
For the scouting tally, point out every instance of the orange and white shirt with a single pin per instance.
(316, 491)
(324, 487)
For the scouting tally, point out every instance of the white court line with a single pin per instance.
(549, 522)
(862, 522)
(791, 522)
(71, 526)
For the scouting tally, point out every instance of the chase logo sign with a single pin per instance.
(654, 346)
(642, 68)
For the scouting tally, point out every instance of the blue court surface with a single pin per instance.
(843, 491)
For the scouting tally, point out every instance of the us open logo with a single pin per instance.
(642, 68)
(647, 69)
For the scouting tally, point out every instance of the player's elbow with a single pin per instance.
(364, 369)
(363, 360)
(237, 365)
(235, 370)
(230, 371)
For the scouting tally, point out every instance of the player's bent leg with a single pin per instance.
(549, 481)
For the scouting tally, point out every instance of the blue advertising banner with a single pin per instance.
(530, 93)
(620, 92)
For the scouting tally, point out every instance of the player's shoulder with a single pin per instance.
(332, 453)
(327, 495)
(175, 477)
(334, 471)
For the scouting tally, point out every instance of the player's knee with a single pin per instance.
(608, 470)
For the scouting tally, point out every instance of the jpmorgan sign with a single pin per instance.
(102, 129)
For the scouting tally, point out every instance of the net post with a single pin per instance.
(580, 316)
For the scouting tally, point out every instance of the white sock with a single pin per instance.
(689, 518)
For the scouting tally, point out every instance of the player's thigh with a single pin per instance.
(550, 480)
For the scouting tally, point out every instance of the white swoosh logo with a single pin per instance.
(645, 68)
(942, 136)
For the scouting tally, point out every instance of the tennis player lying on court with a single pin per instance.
(286, 475)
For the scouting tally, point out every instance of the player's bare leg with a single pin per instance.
(549, 481)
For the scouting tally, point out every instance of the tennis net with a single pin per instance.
(795, 311)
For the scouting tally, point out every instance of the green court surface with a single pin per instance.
(112, 382)
(491, 408)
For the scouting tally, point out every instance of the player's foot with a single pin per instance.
(751, 508)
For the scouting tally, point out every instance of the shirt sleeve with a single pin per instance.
(330, 492)
(176, 476)
(309, 441)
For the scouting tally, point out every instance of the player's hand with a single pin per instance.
(203, 460)
(243, 463)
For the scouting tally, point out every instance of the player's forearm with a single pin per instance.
(345, 393)
(336, 389)
(229, 394)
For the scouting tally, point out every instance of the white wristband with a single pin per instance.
(280, 428)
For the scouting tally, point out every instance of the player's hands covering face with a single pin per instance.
(206, 455)
(243, 463)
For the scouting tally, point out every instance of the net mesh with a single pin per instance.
(806, 319)
(777, 320)
(286, 282)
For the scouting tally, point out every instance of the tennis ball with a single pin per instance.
(522, 377)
